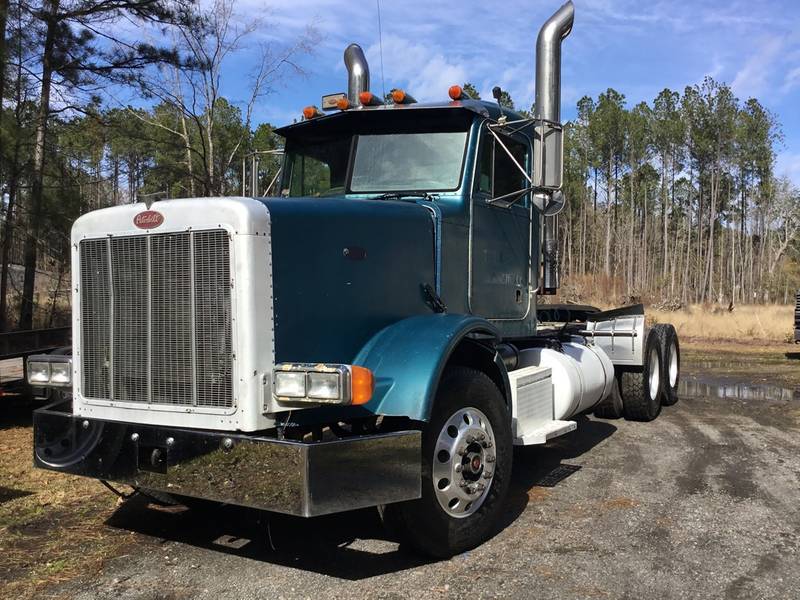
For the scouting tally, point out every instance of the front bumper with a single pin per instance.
(304, 479)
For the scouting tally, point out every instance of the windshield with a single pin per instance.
(378, 163)
(401, 162)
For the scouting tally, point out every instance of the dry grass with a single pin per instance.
(51, 525)
(770, 323)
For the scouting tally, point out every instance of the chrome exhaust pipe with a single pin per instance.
(548, 141)
(548, 62)
(357, 73)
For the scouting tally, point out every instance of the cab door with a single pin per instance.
(500, 233)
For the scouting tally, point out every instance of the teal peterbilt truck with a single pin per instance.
(371, 337)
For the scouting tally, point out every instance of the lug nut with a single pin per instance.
(85, 424)
(461, 451)
(490, 459)
(170, 441)
(487, 474)
(482, 436)
(134, 437)
(459, 468)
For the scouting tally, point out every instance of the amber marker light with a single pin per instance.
(455, 92)
(362, 385)
(342, 104)
(398, 96)
(309, 112)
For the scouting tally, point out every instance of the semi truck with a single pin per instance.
(375, 336)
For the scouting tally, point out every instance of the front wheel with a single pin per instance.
(466, 468)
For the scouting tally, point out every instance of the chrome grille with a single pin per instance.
(156, 319)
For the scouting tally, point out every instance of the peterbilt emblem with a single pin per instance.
(148, 219)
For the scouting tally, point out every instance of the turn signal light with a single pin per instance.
(362, 384)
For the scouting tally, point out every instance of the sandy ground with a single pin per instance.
(701, 503)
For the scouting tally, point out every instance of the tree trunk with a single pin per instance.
(37, 183)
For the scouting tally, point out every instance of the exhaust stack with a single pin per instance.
(357, 73)
(548, 147)
(548, 62)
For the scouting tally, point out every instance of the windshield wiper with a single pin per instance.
(404, 195)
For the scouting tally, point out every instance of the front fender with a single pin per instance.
(408, 357)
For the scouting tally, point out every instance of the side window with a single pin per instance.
(318, 169)
(507, 176)
(485, 160)
(497, 174)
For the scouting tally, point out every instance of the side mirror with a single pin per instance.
(550, 204)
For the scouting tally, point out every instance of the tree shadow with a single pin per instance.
(792, 355)
(332, 545)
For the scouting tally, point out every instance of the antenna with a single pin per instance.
(380, 44)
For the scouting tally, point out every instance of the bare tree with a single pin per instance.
(193, 90)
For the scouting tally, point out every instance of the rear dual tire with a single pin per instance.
(671, 353)
(642, 390)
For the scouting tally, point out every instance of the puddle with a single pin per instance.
(736, 391)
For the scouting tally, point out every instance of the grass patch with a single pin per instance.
(744, 324)
(52, 526)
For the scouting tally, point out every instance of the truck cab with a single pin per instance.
(370, 337)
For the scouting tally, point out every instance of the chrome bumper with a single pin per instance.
(303, 479)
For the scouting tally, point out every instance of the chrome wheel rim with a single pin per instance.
(673, 365)
(655, 374)
(464, 462)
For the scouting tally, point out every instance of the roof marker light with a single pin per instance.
(400, 97)
(369, 99)
(456, 92)
(310, 112)
(343, 103)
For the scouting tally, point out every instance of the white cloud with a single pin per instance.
(424, 69)
(753, 77)
(788, 164)
(791, 80)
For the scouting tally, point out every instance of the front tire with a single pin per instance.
(466, 468)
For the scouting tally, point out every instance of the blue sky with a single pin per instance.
(637, 47)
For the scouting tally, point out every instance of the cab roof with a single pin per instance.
(453, 114)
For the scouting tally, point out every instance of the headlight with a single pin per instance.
(324, 386)
(61, 373)
(50, 370)
(290, 384)
(38, 372)
(323, 383)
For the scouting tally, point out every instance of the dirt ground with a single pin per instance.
(701, 503)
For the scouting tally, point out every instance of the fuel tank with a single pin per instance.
(582, 375)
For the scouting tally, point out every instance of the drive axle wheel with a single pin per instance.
(466, 468)
(642, 390)
(671, 353)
